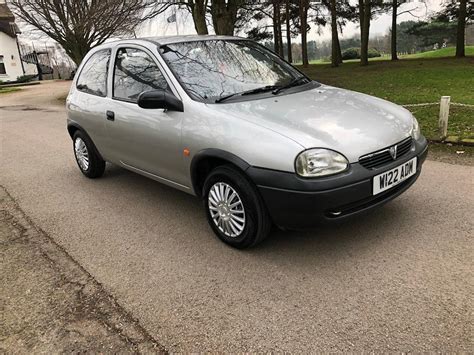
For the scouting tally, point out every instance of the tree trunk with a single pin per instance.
(198, 10)
(393, 39)
(288, 31)
(339, 52)
(460, 40)
(334, 37)
(364, 17)
(276, 15)
(279, 32)
(224, 16)
(304, 29)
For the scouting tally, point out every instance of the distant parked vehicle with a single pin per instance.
(227, 120)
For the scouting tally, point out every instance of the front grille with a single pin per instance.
(383, 156)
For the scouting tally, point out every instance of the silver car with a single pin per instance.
(227, 120)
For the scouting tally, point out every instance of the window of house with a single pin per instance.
(93, 76)
(135, 72)
(2, 66)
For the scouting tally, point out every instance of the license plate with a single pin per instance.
(394, 177)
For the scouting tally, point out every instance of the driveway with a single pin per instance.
(399, 279)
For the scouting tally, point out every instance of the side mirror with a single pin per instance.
(160, 99)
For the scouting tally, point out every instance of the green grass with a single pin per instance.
(410, 82)
(439, 53)
(7, 90)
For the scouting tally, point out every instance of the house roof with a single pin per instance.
(7, 21)
(5, 13)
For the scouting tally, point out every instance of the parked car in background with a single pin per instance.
(227, 120)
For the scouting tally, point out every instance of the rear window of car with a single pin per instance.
(93, 76)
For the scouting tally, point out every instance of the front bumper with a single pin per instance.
(298, 203)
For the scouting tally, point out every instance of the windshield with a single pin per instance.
(217, 68)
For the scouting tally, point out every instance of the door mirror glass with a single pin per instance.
(160, 98)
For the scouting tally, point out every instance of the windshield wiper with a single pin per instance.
(292, 83)
(248, 92)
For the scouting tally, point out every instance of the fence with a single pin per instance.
(444, 106)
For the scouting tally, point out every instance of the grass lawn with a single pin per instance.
(410, 82)
(438, 53)
(7, 90)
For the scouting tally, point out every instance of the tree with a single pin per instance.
(288, 30)
(437, 31)
(80, 25)
(224, 15)
(460, 40)
(303, 9)
(461, 13)
(395, 5)
(198, 9)
(278, 38)
(393, 40)
(407, 42)
(365, 12)
(336, 57)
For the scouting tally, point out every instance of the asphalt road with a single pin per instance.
(398, 279)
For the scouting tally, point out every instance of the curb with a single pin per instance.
(19, 84)
(468, 142)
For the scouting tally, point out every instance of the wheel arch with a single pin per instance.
(73, 127)
(208, 159)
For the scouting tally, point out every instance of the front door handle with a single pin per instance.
(110, 115)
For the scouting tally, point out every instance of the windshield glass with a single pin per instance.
(217, 68)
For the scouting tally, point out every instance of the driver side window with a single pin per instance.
(135, 72)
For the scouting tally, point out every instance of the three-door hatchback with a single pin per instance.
(227, 120)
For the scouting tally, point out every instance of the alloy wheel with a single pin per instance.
(226, 209)
(82, 155)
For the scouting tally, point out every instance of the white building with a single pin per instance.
(11, 64)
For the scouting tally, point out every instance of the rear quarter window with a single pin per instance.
(93, 76)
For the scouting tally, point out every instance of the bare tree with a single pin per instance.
(80, 25)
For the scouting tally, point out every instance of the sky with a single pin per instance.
(379, 26)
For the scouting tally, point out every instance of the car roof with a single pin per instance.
(161, 40)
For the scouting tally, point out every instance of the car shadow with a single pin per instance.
(366, 231)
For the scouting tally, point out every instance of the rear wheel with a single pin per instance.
(235, 211)
(89, 162)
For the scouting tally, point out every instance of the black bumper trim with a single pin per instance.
(297, 203)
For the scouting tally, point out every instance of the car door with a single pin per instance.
(145, 140)
(88, 101)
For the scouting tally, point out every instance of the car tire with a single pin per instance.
(87, 158)
(234, 209)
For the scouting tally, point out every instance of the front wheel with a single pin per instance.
(88, 160)
(235, 211)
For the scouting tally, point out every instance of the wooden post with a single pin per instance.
(443, 116)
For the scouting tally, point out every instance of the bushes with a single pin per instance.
(24, 78)
(373, 53)
(354, 53)
(351, 53)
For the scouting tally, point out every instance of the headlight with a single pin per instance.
(320, 162)
(415, 132)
